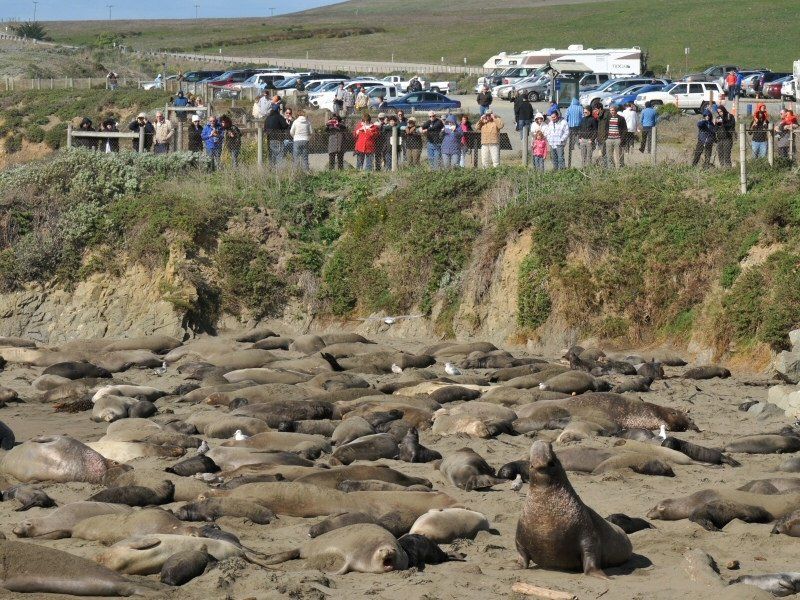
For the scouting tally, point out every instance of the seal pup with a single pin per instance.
(413, 452)
(29, 496)
(422, 551)
(466, 469)
(184, 566)
(777, 584)
(137, 495)
(557, 530)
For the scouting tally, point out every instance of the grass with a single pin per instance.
(423, 32)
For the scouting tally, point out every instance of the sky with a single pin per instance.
(75, 10)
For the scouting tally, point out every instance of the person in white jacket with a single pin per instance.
(631, 116)
(301, 135)
(556, 131)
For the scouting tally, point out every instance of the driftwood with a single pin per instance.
(540, 592)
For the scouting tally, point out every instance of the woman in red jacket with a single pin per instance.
(366, 136)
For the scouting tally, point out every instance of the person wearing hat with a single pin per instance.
(490, 126)
(433, 130)
(141, 123)
(181, 101)
(413, 142)
(362, 99)
(195, 135)
(336, 137)
(162, 138)
(538, 123)
(109, 145)
(451, 143)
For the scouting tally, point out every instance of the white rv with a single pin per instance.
(614, 61)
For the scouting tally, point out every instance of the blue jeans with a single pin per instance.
(214, 154)
(759, 149)
(301, 154)
(538, 162)
(521, 127)
(483, 109)
(557, 155)
(451, 161)
(364, 161)
(435, 155)
(275, 152)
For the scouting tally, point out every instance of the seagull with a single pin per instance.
(204, 447)
(239, 436)
(662, 433)
(517, 484)
(160, 370)
(396, 368)
(451, 369)
(391, 320)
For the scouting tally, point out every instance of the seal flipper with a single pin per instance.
(281, 557)
(482, 482)
(589, 553)
(329, 358)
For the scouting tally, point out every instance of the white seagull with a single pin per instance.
(161, 370)
(239, 436)
(517, 484)
(391, 320)
(203, 448)
(662, 433)
(451, 369)
(396, 368)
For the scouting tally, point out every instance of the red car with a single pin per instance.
(773, 88)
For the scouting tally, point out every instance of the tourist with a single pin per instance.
(113, 80)
(366, 136)
(233, 139)
(382, 143)
(90, 143)
(466, 128)
(574, 119)
(556, 131)
(730, 84)
(784, 134)
(490, 126)
(539, 150)
(725, 125)
(760, 128)
(162, 137)
(110, 144)
(631, 117)
(587, 135)
(615, 128)
(349, 102)
(301, 131)
(523, 114)
(648, 120)
(601, 115)
(141, 123)
(194, 135)
(276, 128)
(433, 130)
(706, 137)
(213, 138)
(264, 105)
(336, 136)
(451, 143)
(484, 99)
(338, 99)
(181, 101)
(414, 85)
(362, 100)
(413, 142)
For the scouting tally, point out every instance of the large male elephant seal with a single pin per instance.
(57, 458)
(137, 495)
(59, 523)
(466, 469)
(76, 370)
(30, 568)
(213, 508)
(364, 548)
(557, 530)
(370, 447)
(111, 528)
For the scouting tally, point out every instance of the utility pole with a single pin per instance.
(196, 10)
(271, 12)
(109, 7)
(35, 3)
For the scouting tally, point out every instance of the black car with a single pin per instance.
(195, 76)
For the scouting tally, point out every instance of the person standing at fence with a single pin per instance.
(706, 137)
(402, 123)
(451, 143)
(615, 130)
(140, 123)
(194, 135)
(556, 132)
(181, 101)
(523, 114)
(465, 127)
(725, 124)
(113, 80)
(433, 130)
(413, 142)
(233, 139)
(338, 99)
(631, 117)
(647, 121)
(574, 118)
(336, 135)
(109, 144)
(276, 129)
(490, 126)
(587, 134)
(162, 138)
(601, 115)
(213, 137)
(90, 143)
(730, 84)
(784, 133)
(484, 100)
(760, 130)
(366, 136)
(383, 141)
(349, 102)
(301, 131)
(362, 100)
(264, 105)
(539, 150)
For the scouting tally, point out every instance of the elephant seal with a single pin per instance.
(110, 408)
(308, 446)
(478, 419)
(374, 485)
(184, 566)
(777, 584)
(57, 458)
(331, 478)
(443, 525)
(422, 551)
(363, 548)
(512, 469)
(774, 485)
(790, 465)
(788, 525)
(638, 434)
(557, 530)
(28, 496)
(454, 393)
(411, 451)
(212, 509)
(574, 382)
(370, 447)
(111, 528)
(651, 369)
(30, 568)
(351, 429)
(191, 466)
(142, 409)
(391, 521)
(628, 524)
(466, 469)
(634, 384)
(59, 523)
(137, 495)
(707, 372)
(734, 504)
(7, 439)
(764, 444)
(77, 370)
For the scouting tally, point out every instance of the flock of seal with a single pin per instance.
(327, 431)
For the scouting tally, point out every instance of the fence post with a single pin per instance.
(771, 146)
(525, 133)
(742, 160)
(141, 140)
(69, 135)
(177, 139)
(394, 148)
(260, 144)
(654, 144)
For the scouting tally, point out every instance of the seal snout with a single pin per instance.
(542, 455)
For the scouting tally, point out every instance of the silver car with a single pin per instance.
(533, 88)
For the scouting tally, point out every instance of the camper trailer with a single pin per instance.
(617, 62)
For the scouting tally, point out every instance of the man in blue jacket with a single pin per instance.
(706, 137)
(647, 121)
(213, 137)
(574, 118)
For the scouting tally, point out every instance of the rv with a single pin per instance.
(617, 62)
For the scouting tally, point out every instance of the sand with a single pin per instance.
(656, 571)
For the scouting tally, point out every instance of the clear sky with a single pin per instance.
(75, 10)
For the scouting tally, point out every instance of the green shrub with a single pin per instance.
(12, 143)
(34, 134)
(667, 111)
(533, 300)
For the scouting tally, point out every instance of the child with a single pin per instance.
(539, 150)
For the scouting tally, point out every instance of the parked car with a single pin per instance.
(773, 88)
(232, 76)
(789, 89)
(507, 91)
(759, 81)
(686, 95)
(615, 86)
(629, 94)
(324, 100)
(258, 81)
(197, 76)
(714, 73)
(423, 101)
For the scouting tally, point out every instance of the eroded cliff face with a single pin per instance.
(102, 306)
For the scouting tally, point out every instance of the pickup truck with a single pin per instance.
(434, 86)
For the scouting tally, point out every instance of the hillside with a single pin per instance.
(634, 257)
(421, 31)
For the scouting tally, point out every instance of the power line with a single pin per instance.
(35, 3)
(196, 10)
(109, 7)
